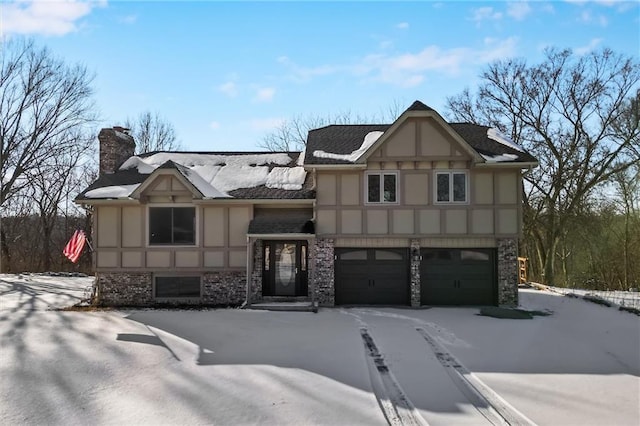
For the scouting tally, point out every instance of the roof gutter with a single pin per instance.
(334, 166)
(92, 201)
(511, 165)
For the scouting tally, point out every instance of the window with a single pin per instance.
(172, 225)
(267, 257)
(353, 255)
(387, 255)
(451, 187)
(177, 288)
(382, 187)
(479, 255)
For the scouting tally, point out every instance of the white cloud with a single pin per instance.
(518, 10)
(229, 88)
(548, 8)
(128, 19)
(263, 124)
(301, 74)
(621, 5)
(214, 125)
(44, 17)
(385, 44)
(485, 14)
(495, 49)
(264, 94)
(588, 18)
(403, 25)
(412, 81)
(409, 69)
(583, 50)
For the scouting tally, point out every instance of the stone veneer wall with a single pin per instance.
(136, 288)
(507, 272)
(125, 289)
(415, 272)
(224, 288)
(256, 274)
(322, 280)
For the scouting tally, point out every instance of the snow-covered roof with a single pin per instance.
(214, 175)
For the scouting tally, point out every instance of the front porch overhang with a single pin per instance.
(285, 236)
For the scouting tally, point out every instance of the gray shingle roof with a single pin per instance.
(338, 139)
(476, 136)
(419, 106)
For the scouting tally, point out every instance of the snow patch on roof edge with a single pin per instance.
(369, 139)
(496, 135)
(116, 191)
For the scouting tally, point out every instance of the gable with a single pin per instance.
(421, 139)
(166, 185)
(163, 184)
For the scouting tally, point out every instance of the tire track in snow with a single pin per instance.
(491, 405)
(394, 403)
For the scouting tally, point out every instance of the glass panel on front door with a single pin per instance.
(285, 268)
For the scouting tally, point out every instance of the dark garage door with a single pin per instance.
(377, 276)
(458, 277)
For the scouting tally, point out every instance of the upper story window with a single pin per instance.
(172, 225)
(382, 187)
(452, 187)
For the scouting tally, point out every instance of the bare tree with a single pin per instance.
(627, 187)
(52, 185)
(42, 100)
(12, 231)
(152, 132)
(291, 134)
(566, 111)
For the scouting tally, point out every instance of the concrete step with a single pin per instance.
(284, 306)
(284, 299)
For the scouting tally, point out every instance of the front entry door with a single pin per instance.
(284, 268)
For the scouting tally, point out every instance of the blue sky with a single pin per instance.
(226, 73)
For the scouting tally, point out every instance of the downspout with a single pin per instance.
(247, 302)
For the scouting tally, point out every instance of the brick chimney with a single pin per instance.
(116, 146)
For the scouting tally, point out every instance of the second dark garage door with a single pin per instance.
(369, 276)
(458, 277)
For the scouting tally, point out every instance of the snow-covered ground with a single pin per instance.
(580, 365)
(629, 299)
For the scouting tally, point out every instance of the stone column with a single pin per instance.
(415, 273)
(507, 272)
(323, 275)
(256, 273)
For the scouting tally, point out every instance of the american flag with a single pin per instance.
(74, 247)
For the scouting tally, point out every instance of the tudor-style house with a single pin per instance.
(417, 212)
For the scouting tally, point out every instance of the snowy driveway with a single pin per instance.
(580, 365)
